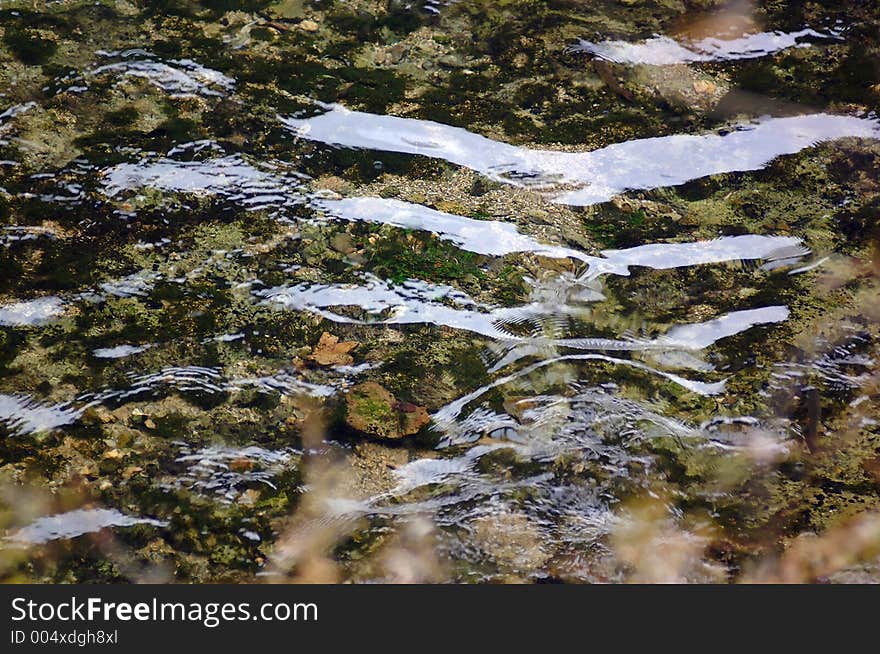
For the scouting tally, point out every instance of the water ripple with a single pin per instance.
(640, 164)
(664, 51)
(76, 523)
(31, 312)
(24, 415)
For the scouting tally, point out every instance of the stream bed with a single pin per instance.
(439, 291)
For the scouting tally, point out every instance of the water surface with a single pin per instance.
(599, 297)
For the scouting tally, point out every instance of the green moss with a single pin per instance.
(403, 255)
(373, 409)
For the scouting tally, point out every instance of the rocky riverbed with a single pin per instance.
(466, 291)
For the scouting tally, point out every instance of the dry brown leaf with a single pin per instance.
(330, 351)
(131, 471)
(241, 464)
(704, 86)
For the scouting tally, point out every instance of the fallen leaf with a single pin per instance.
(241, 464)
(704, 86)
(88, 470)
(131, 471)
(250, 497)
(330, 351)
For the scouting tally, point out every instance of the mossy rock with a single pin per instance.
(373, 410)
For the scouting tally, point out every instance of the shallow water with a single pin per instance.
(626, 315)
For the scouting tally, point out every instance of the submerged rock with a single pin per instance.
(373, 410)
